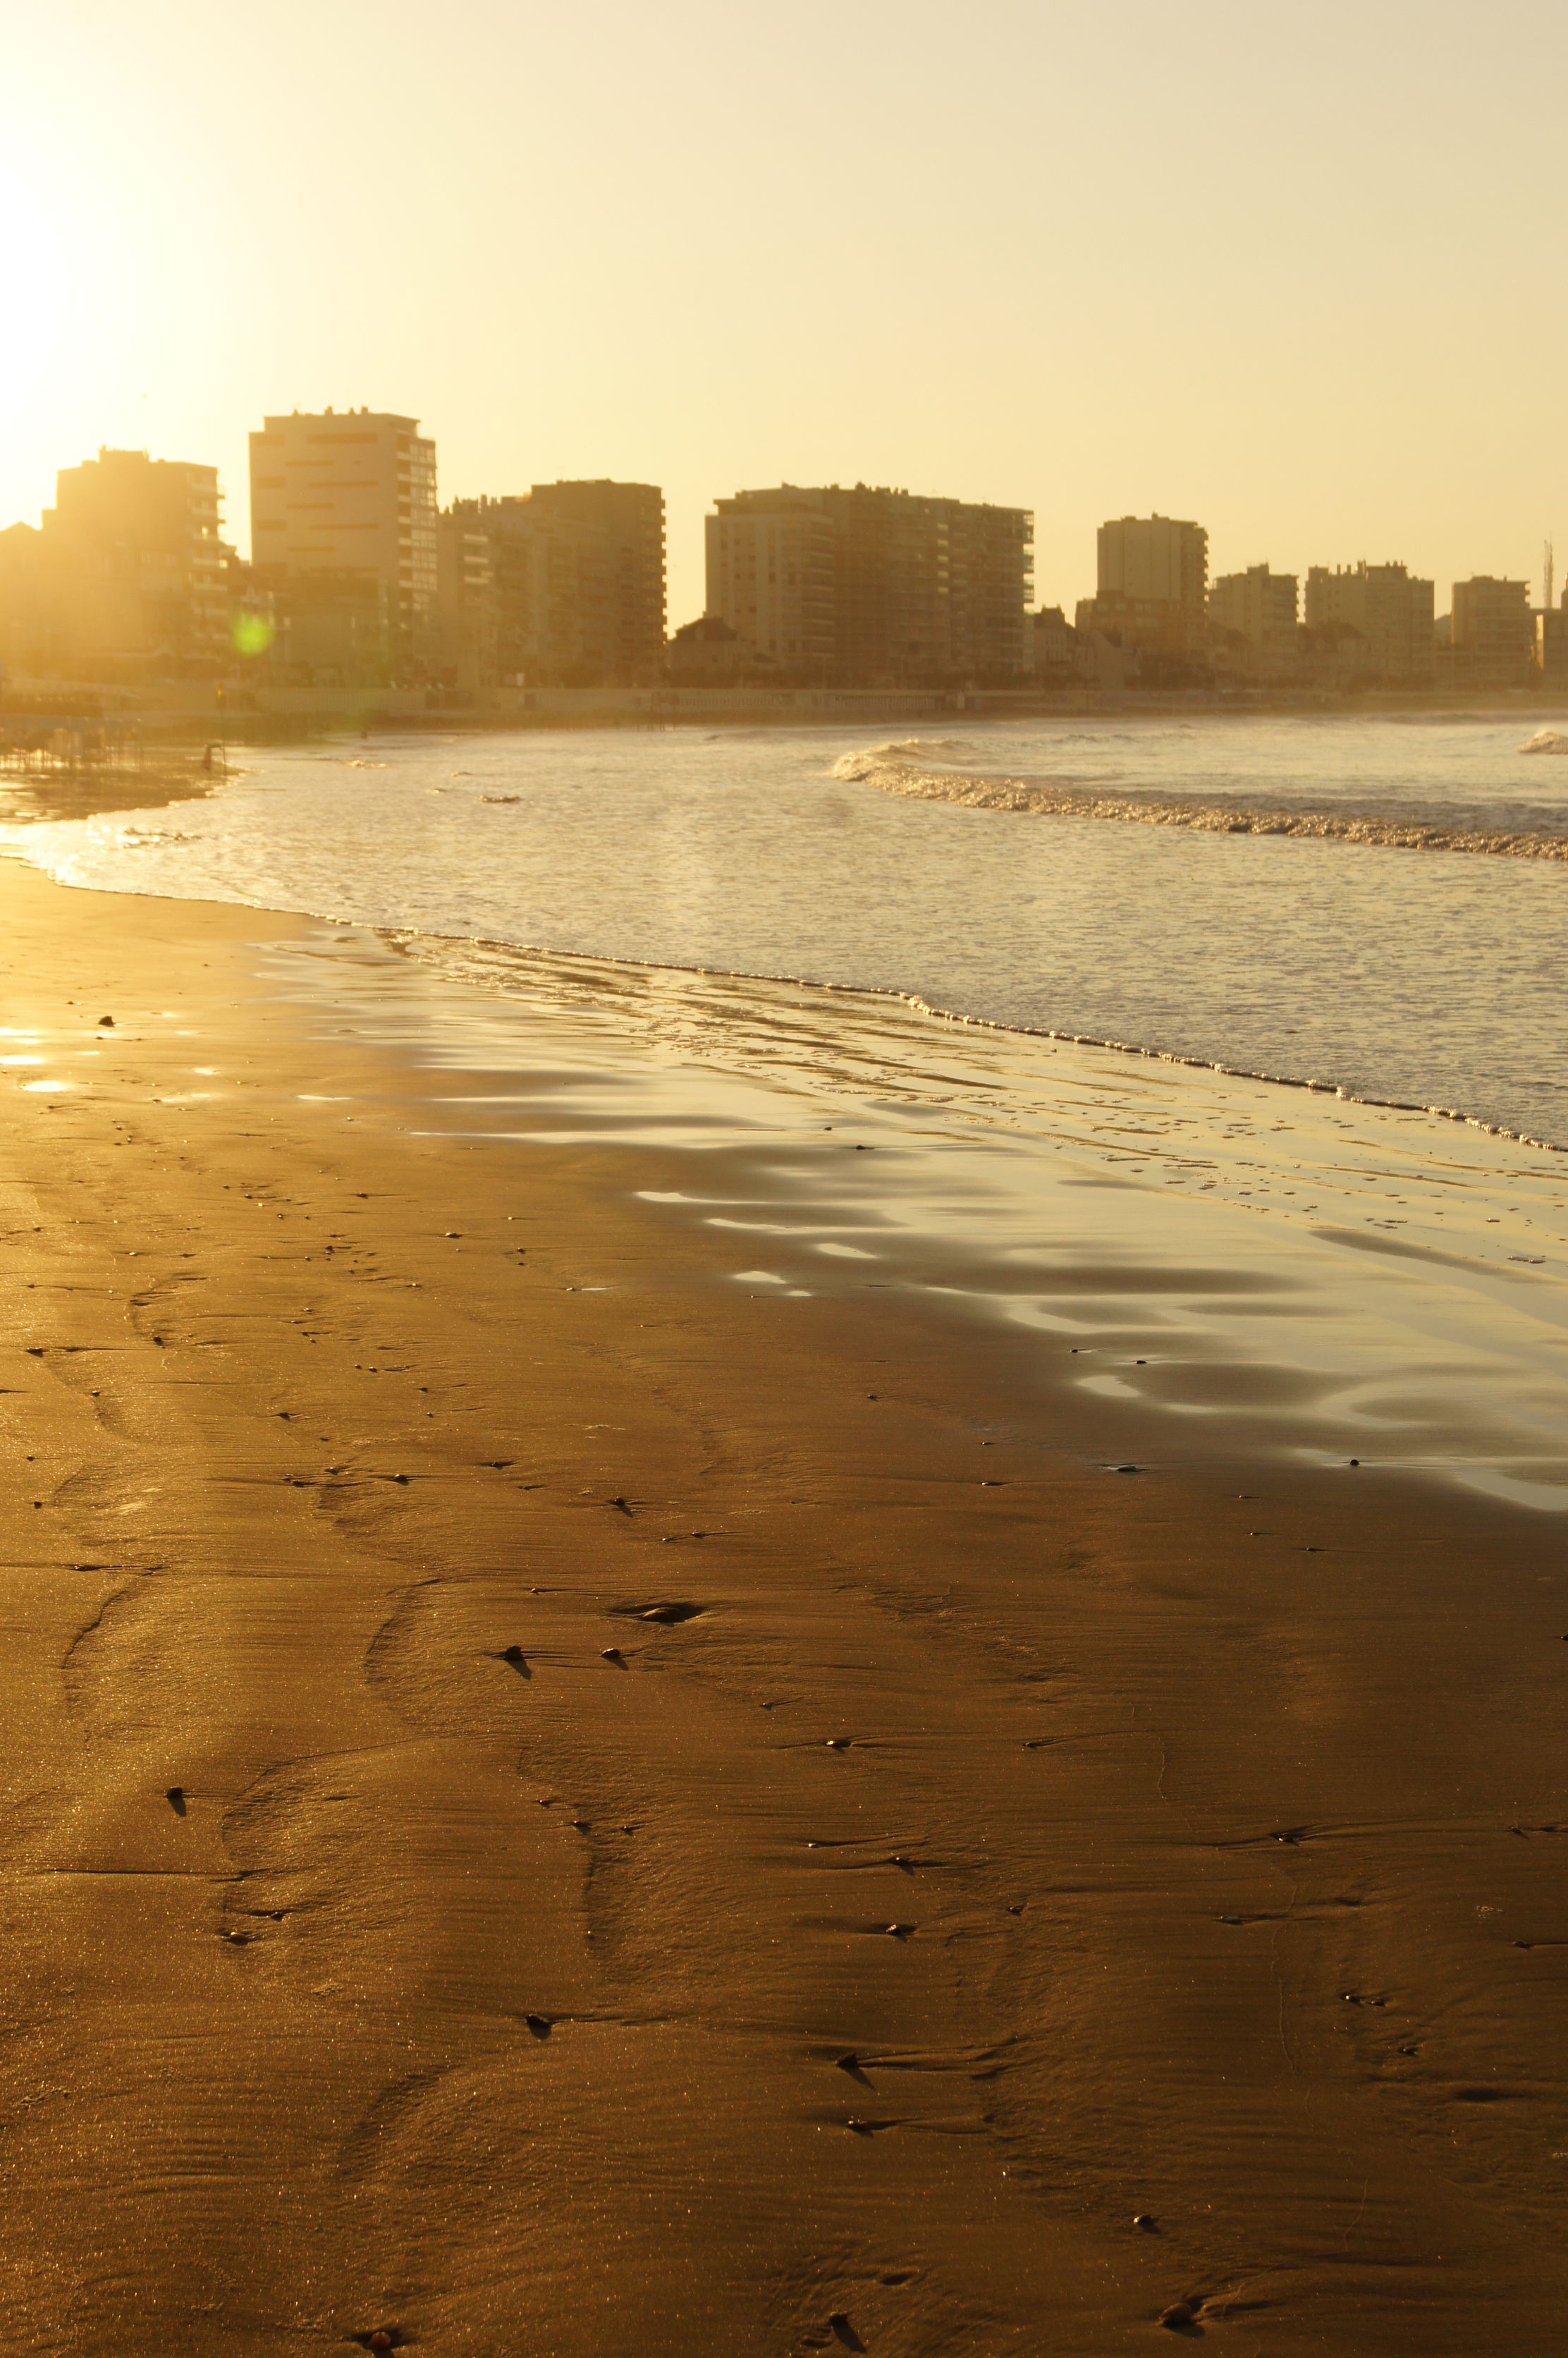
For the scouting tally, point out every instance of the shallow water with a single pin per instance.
(1423, 977)
(1255, 1266)
(1342, 1279)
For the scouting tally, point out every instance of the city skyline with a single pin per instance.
(1080, 575)
(1191, 263)
(357, 577)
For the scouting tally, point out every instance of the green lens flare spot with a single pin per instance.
(252, 635)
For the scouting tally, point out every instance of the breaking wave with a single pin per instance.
(882, 767)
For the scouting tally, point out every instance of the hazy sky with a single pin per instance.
(1295, 270)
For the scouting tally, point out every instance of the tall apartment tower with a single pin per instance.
(771, 576)
(579, 582)
(131, 563)
(625, 639)
(1151, 585)
(1257, 608)
(1387, 608)
(1493, 633)
(353, 493)
(869, 587)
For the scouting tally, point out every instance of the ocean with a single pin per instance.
(1278, 1039)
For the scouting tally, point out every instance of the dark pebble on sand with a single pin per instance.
(899, 1931)
(539, 2024)
(843, 2331)
(848, 2062)
(512, 1654)
(838, 1744)
(175, 1797)
(1150, 2224)
(1180, 2313)
(105, 1024)
(612, 1654)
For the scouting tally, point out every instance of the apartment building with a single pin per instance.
(1252, 621)
(577, 582)
(352, 492)
(866, 586)
(1152, 575)
(465, 606)
(125, 577)
(1492, 632)
(771, 576)
(1058, 657)
(1381, 618)
(1551, 653)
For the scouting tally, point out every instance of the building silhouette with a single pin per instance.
(1151, 590)
(1378, 618)
(125, 578)
(1252, 622)
(866, 587)
(1492, 632)
(343, 515)
(465, 606)
(579, 582)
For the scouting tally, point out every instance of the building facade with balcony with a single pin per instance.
(126, 575)
(866, 587)
(577, 582)
(1381, 618)
(347, 492)
(1492, 633)
(1252, 622)
(1151, 595)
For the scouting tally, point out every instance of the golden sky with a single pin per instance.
(1295, 270)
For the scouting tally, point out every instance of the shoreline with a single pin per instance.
(890, 995)
(887, 995)
(604, 1818)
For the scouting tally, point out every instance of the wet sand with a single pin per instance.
(654, 1820)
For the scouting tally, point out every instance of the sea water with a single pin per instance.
(1426, 978)
(1397, 1285)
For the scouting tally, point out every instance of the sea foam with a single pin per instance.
(882, 766)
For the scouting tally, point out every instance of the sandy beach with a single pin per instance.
(555, 1806)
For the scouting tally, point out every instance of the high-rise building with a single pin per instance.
(626, 637)
(1152, 586)
(771, 573)
(869, 587)
(352, 492)
(127, 574)
(1492, 631)
(1382, 617)
(1256, 613)
(466, 605)
(27, 631)
(579, 582)
(1551, 645)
